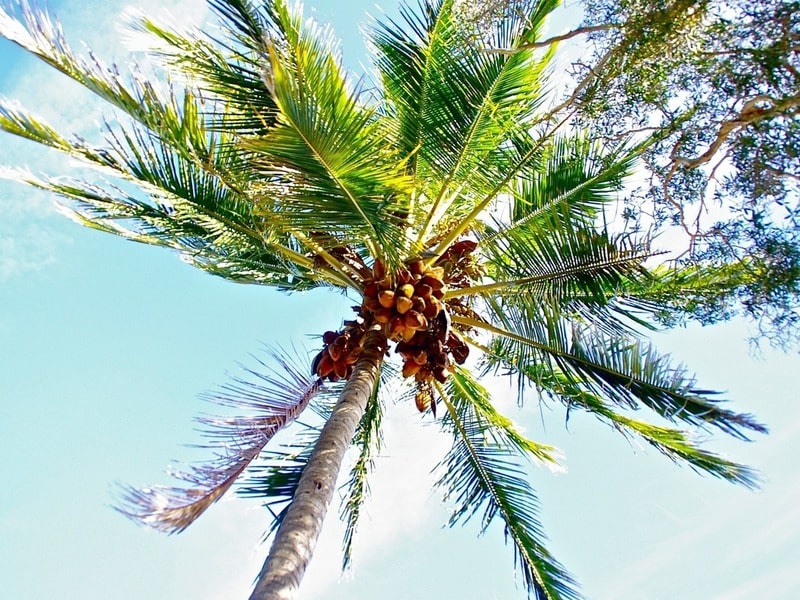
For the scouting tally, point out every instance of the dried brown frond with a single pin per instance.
(277, 395)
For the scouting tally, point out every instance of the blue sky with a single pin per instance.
(104, 346)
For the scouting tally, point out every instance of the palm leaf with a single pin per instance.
(407, 57)
(368, 438)
(482, 471)
(177, 127)
(623, 370)
(277, 394)
(36, 32)
(327, 159)
(673, 443)
(701, 290)
(276, 475)
(201, 199)
(573, 179)
(233, 76)
(455, 104)
(463, 385)
(559, 262)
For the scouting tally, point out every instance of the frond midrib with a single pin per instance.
(508, 519)
(561, 274)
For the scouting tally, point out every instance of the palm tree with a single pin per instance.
(462, 219)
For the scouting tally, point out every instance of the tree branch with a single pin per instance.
(751, 112)
(554, 40)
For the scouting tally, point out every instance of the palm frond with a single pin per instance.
(198, 204)
(276, 475)
(673, 443)
(706, 291)
(406, 57)
(463, 385)
(246, 22)
(113, 210)
(276, 394)
(368, 438)
(181, 132)
(455, 104)
(482, 471)
(624, 370)
(233, 74)
(36, 32)
(558, 262)
(573, 179)
(178, 134)
(327, 159)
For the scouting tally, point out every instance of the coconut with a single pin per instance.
(404, 304)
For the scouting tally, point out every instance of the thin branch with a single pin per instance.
(553, 40)
(751, 113)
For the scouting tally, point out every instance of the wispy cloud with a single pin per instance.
(746, 541)
(30, 249)
(28, 239)
(781, 582)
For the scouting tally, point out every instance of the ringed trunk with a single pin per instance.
(297, 535)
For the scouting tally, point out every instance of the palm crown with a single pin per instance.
(460, 215)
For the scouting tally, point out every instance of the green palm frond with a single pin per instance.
(274, 478)
(464, 386)
(177, 132)
(574, 193)
(327, 160)
(199, 167)
(559, 262)
(368, 439)
(233, 75)
(482, 471)
(673, 443)
(276, 394)
(455, 104)
(198, 198)
(698, 289)
(574, 178)
(248, 23)
(405, 57)
(203, 236)
(626, 371)
(141, 100)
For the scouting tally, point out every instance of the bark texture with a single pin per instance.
(297, 535)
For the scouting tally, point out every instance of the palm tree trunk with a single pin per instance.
(297, 535)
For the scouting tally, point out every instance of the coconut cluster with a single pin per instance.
(411, 310)
(429, 354)
(409, 307)
(340, 352)
(406, 302)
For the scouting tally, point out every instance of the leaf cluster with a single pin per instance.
(717, 82)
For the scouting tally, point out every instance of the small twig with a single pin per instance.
(781, 173)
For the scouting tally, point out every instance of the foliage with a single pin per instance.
(717, 82)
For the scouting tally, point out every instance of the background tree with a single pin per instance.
(716, 82)
(445, 212)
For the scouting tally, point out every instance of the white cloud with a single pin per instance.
(27, 242)
(30, 249)
(782, 582)
(740, 537)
